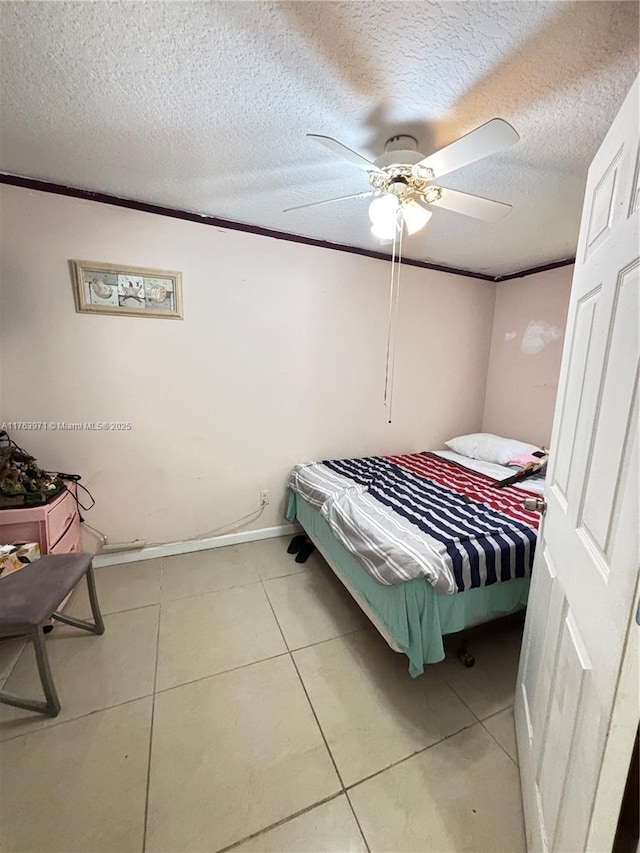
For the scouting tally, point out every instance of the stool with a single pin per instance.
(28, 599)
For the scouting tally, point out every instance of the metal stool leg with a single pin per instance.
(97, 627)
(39, 644)
(93, 598)
(52, 704)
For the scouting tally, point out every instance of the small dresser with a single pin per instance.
(54, 525)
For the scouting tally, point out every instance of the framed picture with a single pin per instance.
(134, 291)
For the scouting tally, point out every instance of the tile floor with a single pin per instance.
(240, 699)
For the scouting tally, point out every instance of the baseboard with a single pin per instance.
(170, 549)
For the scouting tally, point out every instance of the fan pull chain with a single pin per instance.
(389, 317)
(394, 296)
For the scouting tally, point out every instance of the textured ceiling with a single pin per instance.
(204, 106)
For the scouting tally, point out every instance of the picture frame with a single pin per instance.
(102, 288)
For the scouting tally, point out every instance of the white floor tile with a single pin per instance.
(236, 746)
(502, 727)
(329, 828)
(489, 686)
(371, 711)
(124, 587)
(231, 755)
(270, 558)
(10, 650)
(205, 571)
(90, 672)
(78, 787)
(211, 633)
(463, 795)
(313, 607)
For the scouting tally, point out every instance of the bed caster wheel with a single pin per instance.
(296, 543)
(466, 658)
(305, 551)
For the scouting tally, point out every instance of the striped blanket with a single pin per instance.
(421, 515)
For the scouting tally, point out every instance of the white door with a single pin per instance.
(584, 588)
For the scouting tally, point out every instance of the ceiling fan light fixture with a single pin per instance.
(378, 180)
(415, 216)
(400, 176)
(383, 210)
(422, 173)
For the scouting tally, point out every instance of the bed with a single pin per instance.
(423, 542)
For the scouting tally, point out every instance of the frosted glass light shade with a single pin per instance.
(415, 216)
(383, 209)
(384, 230)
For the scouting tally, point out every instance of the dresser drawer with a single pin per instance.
(70, 541)
(23, 531)
(59, 518)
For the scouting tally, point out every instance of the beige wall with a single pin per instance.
(526, 349)
(280, 359)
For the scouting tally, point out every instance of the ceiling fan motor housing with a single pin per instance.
(398, 157)
(397, 162)
(401, 142)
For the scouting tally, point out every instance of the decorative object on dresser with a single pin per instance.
(102, 288)
(22, 480)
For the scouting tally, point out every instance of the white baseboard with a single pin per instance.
(169, 549)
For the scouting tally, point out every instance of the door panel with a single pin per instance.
(603, 206)
(586, 567)
(611, 429)
(572, 667)
(634, 201)
(573, 818)
(580, 346)
(543, 583)
(545, 665)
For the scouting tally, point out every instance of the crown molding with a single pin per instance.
(533, 270)
(159, 210)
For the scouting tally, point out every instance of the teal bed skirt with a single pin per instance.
(414, 614)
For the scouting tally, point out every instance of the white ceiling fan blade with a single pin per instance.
(338, 148)
(489, 138)
(472, 205)
(330, 200)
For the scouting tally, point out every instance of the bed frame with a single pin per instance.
(384, 605)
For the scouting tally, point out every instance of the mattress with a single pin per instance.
(425, 515)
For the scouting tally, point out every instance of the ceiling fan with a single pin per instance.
(402, 179)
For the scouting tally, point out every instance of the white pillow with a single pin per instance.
(489, 448)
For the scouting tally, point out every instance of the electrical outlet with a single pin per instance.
(264, 497)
